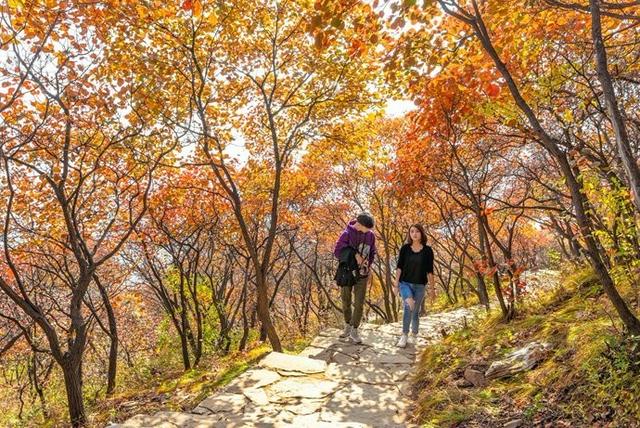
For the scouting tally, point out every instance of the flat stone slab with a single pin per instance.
(252, 378)
(373, 405)
(293, 363)
(257, 396)
(169, 420)
(222, 403)
(330, 332)
(300, 387)
(371, 356)
(363, 373)
(324, 341)
(306, 406)
(311, 351)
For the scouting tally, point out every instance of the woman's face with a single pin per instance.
(415, 235)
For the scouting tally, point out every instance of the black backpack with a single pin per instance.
(345, 276)
(347, 273)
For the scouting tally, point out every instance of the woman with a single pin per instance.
(414, 272)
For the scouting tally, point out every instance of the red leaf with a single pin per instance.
(493, 90)
(187, 5)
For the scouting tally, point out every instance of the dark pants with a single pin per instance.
(358, 289)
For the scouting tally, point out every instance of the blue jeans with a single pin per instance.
(411, 318)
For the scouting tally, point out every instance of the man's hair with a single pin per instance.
(366, 220)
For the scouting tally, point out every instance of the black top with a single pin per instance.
(415, 266)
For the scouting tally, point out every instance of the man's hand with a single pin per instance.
(432, 294)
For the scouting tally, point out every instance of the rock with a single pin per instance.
(385, 357)
(364, 373)
(520, 360)
(514, 423)
(331, 332)
(293, 363)
(253, 378)
(257, 396)
(324, 341)
(399, 374)
(305, 406)
(296, 387)
(311, 352)
(221, 403)
(170, 420)
(463, 383)
(371, 405)
(476, 377)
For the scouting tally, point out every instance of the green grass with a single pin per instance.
(582, 380)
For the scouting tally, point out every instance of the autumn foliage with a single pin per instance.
(173, 175)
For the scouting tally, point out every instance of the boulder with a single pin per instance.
(514, 423)
(463, 383)
(520, 360)
(476, 377)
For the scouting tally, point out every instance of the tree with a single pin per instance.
(250, 74)
(75, 179)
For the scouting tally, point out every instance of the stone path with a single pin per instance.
(332, 383)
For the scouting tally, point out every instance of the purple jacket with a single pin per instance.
(364, 243)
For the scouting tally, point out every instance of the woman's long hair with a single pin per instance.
(423, 235)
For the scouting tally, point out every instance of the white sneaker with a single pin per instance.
(354, 336)
(414, 338)
(402, 343)
(346, 332)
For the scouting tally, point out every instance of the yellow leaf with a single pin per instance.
(16, 4)
(212, 19)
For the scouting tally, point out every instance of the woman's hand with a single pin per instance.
(359, 259)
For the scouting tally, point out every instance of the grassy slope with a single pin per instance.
(170, 389)
(587, 380)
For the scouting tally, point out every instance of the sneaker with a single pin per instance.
(414, 338)
(354, 336)
(346, 332)
(402, 343)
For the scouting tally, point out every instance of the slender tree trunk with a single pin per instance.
(33, 373)
(263, 313)
(73, 386)
(483, 296)
(113, 337)
(506, 313)
(184, 344)
(615, 111)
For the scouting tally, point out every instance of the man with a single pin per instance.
(358, 235)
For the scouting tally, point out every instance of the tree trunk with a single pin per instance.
(184, 344)
(615, 111)
(113, 337)
(506, 312)
(73, 386)
(483, 296)
(263, 313)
